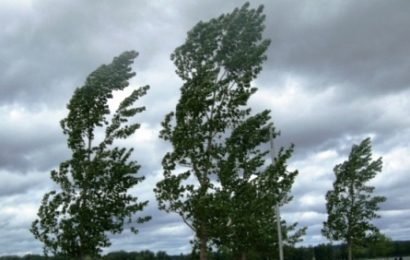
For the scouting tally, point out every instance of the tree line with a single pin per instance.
(216, 177)
(383, 248)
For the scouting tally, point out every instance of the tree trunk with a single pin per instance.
(243, 256)
(203, 244)
(349, 250)
(203, 250)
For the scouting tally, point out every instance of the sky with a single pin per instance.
(337, 72)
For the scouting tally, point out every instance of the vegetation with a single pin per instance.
(350, 206)
(92, 199)
(217, 142)
(320, 252)
(250, 190)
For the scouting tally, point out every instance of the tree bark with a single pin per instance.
(349, 250)
(203, 244)
(243, 256)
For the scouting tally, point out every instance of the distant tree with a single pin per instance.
(162, 255)
(117, 255)
(401, 247)
(299, 253)
(350, 205)
(217, 63)
(324, 252)
(145, 255)
(93, 199)
(379, 246)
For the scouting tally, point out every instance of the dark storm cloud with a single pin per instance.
(48, 47)
(347, 43)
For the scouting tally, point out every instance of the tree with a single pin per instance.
(249, 191)
(162, 255)
(217, 63)
(379, 246)
(93, 199)
(324, 252)
(350, 205)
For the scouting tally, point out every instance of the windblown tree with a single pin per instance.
(217, 63)
(249, 191)
(350, 205)
(93, 198)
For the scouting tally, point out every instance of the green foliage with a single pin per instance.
(350, 205)
(300, 253)
(92, 199)
(378, 246)
(324, 252)
(250, 190)
(215, 139)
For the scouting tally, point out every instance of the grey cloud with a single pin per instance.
(344, 43)
(18, 211)
(22, 160)
(30, 140)
(397, 197)
(323, 122)
(14, 183)
(19, 242)
(80, 36)
(316, 203)
(395, 224)
(164, 232)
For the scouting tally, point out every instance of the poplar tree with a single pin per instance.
(250, 189)
(92, 199)
(217, 63)
(350, 205)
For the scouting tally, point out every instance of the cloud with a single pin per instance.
(80, 36)
(30, 139)
(12, 183)
(312, 119)
(343, 42)
(18, 211)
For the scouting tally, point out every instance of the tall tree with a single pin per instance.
(217, 63)
(93, 199)
(350, 205)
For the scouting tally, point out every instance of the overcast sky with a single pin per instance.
(337, 72)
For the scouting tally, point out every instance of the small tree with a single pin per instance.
(380, 246)
(350, 205)
(92, 199)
